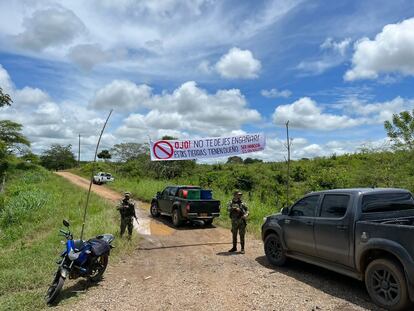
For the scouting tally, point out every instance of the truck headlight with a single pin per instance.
(264, 219)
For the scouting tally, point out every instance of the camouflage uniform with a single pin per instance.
(126, 209)
(238, 220)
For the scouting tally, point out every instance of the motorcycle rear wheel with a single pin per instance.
(54, 289)
(99, 268)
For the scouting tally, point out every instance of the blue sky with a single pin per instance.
(335, 69)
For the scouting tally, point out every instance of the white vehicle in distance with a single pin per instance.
(102, 178)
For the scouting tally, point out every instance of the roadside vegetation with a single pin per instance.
(265, 185)
(32, 207)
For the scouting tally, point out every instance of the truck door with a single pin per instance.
(332, 229)
(164, 200)
(298, 226)
(171, 198)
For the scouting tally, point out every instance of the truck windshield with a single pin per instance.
(384, 202)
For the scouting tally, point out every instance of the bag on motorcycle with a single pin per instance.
(99, 247)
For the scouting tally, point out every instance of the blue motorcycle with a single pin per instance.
(80, 259)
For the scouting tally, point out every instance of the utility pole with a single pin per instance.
(79, 152)
(288, 145)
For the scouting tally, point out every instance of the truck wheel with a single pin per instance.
(274, 251)
(208, 222)
(154, 210)
(386, 285)
(176, 218)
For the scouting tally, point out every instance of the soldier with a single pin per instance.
(238, 212)
(127, 210)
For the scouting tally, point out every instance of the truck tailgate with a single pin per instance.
(204, 206)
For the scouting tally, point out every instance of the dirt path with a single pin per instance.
(189, 269)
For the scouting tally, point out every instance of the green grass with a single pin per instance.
(31, 213)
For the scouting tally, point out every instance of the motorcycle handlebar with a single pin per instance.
(63, 232)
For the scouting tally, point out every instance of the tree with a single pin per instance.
(58, 157)
(10, 134)
(104, 154)
(5, 99)
(126, 151)
(31, 157)
(401, 131)
(251, 161)
(235, 159)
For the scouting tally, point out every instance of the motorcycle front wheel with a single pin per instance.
(55, 288)
(99, 267)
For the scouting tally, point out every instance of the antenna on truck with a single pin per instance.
(93, 170)
(288, 145)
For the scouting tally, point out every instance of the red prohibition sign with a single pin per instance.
(163, 150)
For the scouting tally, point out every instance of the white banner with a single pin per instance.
(204, 148)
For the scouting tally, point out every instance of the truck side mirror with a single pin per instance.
(158, 194)
(285, 211)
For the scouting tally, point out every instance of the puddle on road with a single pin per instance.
(149, 226)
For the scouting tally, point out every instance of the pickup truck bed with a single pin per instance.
(173, 202)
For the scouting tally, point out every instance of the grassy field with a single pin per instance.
(31, 213)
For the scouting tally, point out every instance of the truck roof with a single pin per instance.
(361, 190)
(187, 187)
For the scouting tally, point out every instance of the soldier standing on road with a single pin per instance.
(238, 213)
(127, 210)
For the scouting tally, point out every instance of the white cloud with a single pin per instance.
(49, 27)
(30, 96)
(46, 122)
(339, 47)
(190, 109)
(87, 56)
(390, 52)
(122, 95)
(274, 93)
(152, 38)
(305, 113)
(375, 113)
(5, 82)
(334, 54)
(205, 67)
(238, 64)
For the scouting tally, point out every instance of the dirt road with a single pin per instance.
(189, 269)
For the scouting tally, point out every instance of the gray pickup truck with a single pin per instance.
(367, 234)
(184, 203)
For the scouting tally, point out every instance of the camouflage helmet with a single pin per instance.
(127, 194)
(237, 192)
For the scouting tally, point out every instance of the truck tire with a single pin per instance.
(176, 218)
(208, 222)
(386, 284)
(274, 251)
(154, 210)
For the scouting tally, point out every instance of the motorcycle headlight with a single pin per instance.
(73, 256)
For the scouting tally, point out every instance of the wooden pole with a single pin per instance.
(79, 152)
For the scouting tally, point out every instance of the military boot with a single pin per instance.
(242, 248)
(233, 249)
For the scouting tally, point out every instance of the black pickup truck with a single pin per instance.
(184, 203)
(367, 234)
